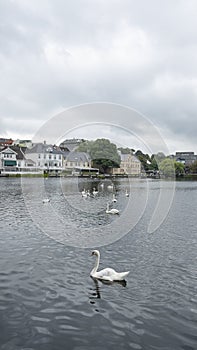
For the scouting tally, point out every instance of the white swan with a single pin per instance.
(106, 274)
(46, 200)
(114, 198)
(110, 187)
(111, 211)
(101, 185)
(126, 193)
(84, 193)
(94, 192)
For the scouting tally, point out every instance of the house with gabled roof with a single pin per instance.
(78, 163)
(46, 157)
(76, 159)
(13, 159)
(8, 159)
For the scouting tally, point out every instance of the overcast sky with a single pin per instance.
(55, 54)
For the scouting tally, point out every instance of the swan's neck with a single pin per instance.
(96, 264)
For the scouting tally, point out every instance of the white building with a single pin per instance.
(13, 159)
(8, 159)
(46, 157)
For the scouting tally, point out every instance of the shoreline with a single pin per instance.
(188, 177)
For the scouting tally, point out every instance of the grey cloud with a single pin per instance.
(55, 54)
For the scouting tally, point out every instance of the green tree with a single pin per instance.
(85, 146)
(159, 157)
(154, 163)
(144, 159)
(156, 159)
(193, 167)
(169, 168)
(126, 150)
(179, 169)
(103, 153)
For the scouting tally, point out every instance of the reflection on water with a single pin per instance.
(48, 300)
(95, 294)
(96, 291)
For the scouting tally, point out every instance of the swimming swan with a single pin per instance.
(46, 200)
(114, 200)
(83, 193)
(107, 274)
(111, 211)
(94, 192)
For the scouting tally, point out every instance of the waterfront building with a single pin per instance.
(8, 159)
(12, 159)
(186, 158)
(129, 165)
(46, 157)
(78, 163)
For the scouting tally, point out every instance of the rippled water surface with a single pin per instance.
(49, 302)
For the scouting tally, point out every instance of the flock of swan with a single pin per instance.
(107, 274)
(86, 194)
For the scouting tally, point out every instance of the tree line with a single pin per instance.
(106, 155)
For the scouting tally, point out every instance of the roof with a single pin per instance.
(19, 151)
(7, 149)
(70, 144)
(6, 141)
(44, 148)
(76, 156)
(125, 157)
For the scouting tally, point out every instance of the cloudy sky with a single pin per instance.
(55, 54)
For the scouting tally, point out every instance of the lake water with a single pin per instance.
(49, 302)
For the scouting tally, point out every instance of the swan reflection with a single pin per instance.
(96, 292)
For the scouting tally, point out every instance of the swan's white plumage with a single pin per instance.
(83, 192)
(111, 211)
(114, 199)
(126, 193)
(94, 192)
(106, 274)
(46, 200)
(110, 187)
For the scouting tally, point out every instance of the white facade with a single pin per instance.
(45, 157)
(8, 158)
